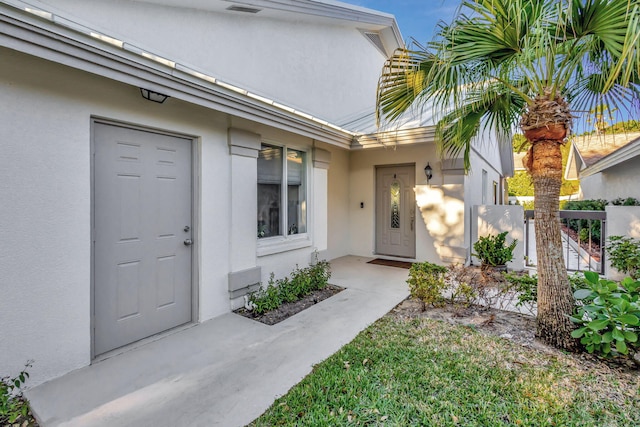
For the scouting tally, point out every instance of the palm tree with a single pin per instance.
(529, 63)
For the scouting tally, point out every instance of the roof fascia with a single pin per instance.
(394, 138)
(40, 36)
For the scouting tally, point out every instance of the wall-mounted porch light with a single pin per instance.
(153, 96)
(428, 172)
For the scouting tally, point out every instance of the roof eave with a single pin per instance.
(395, 138)
(625, 153)
(38, 36)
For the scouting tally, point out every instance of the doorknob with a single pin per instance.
(188, 242)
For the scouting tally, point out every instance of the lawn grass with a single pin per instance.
(421, 372)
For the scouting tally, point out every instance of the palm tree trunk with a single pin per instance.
(555, 300)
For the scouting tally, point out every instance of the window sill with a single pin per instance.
(275, 245)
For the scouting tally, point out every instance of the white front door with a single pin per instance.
(142, 219)
(395, 211)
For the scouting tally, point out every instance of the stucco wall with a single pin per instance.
(338, 232)
(285, 60)
(618, 181)
(490, 220)
(45, 219)
(362, 190)
(621, 221)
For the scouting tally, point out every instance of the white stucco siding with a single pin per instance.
(327, 70)
(490, 220)
(45, 256)
(362, 190)
(45, 223)
(338, 203)
(620, 180)
(486, 146)
(621, 221)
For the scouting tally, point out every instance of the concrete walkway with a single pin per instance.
(224, 372)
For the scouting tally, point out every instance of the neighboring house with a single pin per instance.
(123, 217)
(606, 165)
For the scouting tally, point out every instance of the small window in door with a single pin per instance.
(395, 205)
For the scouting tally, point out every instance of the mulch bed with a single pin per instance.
(288, 309)
(516, 327)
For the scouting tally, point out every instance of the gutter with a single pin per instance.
(43, 34)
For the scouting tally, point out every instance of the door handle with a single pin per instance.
(188, 242)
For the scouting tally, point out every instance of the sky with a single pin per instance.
(416, 18)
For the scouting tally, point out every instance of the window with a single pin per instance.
(495, 193)
(282, 191)
(395, 205)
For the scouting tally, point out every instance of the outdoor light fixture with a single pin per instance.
(153, 96)
(428, 172)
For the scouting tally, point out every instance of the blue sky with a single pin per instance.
(416, 18)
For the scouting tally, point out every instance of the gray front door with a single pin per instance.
(142, 219)
(395, 211)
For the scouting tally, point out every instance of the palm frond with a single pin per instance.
(497, 56)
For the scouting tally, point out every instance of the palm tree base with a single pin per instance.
(554, 333)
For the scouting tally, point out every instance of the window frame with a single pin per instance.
(284, 241)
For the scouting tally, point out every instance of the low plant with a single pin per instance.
(526, 286)
(427, 282)
(302, 282)
(493, 250)
(624, 254)
(609, 316)
(266, 299)
(13, 407)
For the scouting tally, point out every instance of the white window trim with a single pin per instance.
(288, 242)
(277, 244)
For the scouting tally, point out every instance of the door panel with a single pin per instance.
(395, 211)
(142, 207)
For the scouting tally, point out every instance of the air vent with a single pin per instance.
(376, 40)
(244, 9)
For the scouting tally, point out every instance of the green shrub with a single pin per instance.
(465, 284)
(427, 282)
(13, 407)
(585, 227)
(290, 289)
(266, 299)
(528, 205)
(527, 286)
(465, 293)
(624, 254)
(609, 315)
(629, 201)
(493, 250)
